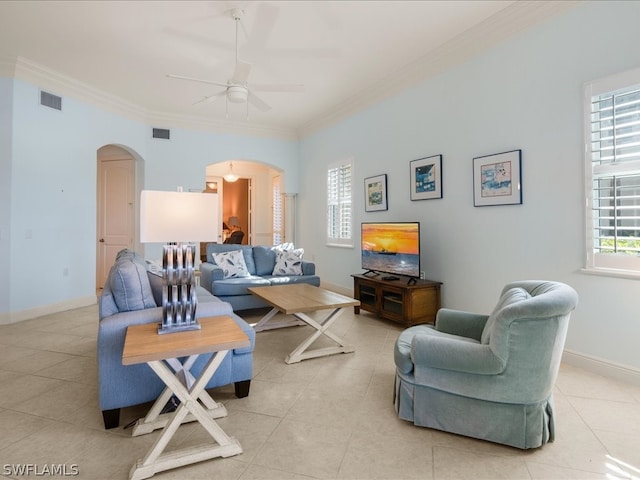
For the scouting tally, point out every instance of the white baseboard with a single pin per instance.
(13, 317)
(348, 292)
(602, 367)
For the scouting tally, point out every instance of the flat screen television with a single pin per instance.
(391, 247)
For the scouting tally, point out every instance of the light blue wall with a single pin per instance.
(51, 179)
(524, 94)
(6, 112)
(53, 198)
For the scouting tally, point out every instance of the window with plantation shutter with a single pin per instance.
(339, 207)
(613, 173)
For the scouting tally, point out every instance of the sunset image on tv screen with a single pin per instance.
(391, 247)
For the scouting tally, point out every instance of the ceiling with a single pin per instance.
(347, 54)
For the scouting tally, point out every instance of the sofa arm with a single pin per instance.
(208, 274)
(308, 268)
(454, 355)
(213, 309)
(463, 324)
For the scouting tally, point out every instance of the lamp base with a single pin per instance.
(179, 299)
(181, 328)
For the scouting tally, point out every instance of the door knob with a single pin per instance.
(101, 240)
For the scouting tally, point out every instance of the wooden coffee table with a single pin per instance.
(143, 344)
(297, 300)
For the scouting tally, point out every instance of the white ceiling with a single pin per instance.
(345, 53)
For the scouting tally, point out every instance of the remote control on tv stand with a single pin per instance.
(389, 278)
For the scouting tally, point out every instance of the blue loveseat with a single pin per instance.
(130, 297)
(260, 262)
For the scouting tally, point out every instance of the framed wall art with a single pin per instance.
(426, 178)
(375, 193)
(497, 179)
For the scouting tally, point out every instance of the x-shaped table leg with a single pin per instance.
(265, 324)
(155, 419)
(301, 353)
(224, 445)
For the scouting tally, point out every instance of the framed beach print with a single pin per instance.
(375, 193)
(497, 179)
(426, 178)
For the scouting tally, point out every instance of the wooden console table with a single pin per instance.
(397, 300)
(143, 344)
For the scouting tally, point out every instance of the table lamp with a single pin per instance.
(178, 219)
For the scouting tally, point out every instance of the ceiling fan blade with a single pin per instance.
(241, 73)
(199, 80)
(268, 87)
(266, 16)
(209, 99)
(258, 103)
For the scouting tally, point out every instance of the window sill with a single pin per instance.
(611, 272)
(339, 245)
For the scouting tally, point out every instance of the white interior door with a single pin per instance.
(116, 216)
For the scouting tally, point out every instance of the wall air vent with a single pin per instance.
(161, 133)
(50, 100)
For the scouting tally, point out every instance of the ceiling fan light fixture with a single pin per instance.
(237, 94)
(230, 176)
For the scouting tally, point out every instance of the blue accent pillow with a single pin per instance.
(129, 283)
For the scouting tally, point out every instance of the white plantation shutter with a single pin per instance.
(278, 217)
(339, 207)
(613, 156)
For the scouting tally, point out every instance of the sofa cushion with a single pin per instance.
(511, 296)
(288, 262)
(286, 279)
(129, 283)
(265, 259)
(238, 286)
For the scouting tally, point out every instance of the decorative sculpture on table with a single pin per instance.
(174, 218)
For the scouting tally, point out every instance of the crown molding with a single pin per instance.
(514, 19)
(24, 69)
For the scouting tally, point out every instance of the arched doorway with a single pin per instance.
(116, 207)
(255, 199)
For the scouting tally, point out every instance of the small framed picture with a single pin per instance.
(375, 193)
(497, 179)
(426, 178)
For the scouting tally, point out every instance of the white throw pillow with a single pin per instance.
(288, 262)
(283, 247)
(231, 263)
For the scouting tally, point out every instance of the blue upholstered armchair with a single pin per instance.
(488, 376)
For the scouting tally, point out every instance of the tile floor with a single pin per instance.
(325, 418)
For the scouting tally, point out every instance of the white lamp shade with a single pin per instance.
(178, 216)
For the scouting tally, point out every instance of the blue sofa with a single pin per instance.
(260, 262)
(130, 297)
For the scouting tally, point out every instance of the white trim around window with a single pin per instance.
(612, 175)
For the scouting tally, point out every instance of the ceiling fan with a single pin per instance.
(237, 88)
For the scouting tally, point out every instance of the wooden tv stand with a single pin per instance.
(398, 300)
